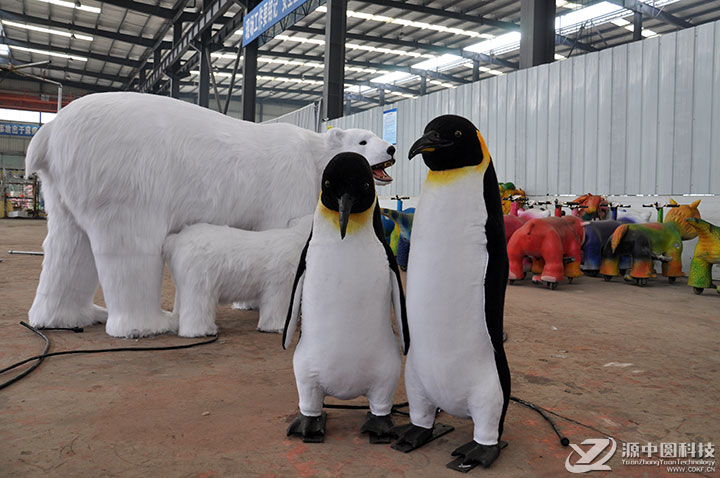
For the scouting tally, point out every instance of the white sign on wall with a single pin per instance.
(390, 126)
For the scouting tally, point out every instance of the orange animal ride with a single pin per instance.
(652, 240)
(554, 245)
(596, 207)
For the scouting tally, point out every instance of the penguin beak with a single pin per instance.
(345, 204)
(428, 143)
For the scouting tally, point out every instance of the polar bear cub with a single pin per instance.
(219, 264)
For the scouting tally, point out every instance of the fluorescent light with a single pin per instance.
(393, 77)
(217, 73)
(410, 23)
(63, 3)
(621, 22)
(354, 46)
(439, 62)
(51, 31)
(49, 53)
(440, 83)
(4, 50)
(559, 57)
(570, 5)
(500, 44)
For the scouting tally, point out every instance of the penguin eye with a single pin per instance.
(363, 143)
(327, 183)
(458, 133)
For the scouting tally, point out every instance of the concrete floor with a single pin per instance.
(641, 365)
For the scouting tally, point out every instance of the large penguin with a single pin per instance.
(457, 273)
(346, 283)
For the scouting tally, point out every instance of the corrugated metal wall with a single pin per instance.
(640, 118)
(307, 117)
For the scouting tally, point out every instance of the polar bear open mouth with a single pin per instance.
(379, 174)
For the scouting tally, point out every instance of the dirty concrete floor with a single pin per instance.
(640, 365)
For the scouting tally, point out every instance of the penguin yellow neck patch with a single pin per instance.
(356, 221)
(450, 175)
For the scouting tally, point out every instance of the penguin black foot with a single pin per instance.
(410, 437)
(473, 454)
(312, 429)
(378, 428)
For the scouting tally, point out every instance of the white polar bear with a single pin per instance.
(211, 264)
(122, 170)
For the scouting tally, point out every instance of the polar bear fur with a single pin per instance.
(219, 264)
(121, 171)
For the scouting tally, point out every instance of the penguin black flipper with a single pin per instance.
(496, 281)
(398, 296)
(293, 314)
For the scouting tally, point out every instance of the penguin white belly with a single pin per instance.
(451, 361)
(347, 347)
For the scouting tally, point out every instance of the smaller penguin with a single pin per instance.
(346, 283)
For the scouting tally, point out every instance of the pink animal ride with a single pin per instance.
(554, 244)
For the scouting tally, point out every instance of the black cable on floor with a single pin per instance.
(44, 354)
(41, 357)
(563, 439)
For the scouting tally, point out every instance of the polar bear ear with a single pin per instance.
(336, 134)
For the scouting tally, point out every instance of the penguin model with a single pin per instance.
(346, 285)
(457, 273)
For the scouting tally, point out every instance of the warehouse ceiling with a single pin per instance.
(406, 48)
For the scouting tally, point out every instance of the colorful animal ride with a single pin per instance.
(597, 234)
(707, 253)
(553, 244)
(533, 212)
(596, 207)
(648, 242)
(507, 191)
(399, 240)
(512, 224)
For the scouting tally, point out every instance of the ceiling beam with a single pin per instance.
(69, 51)
(147, 9)
(650, 11)
(214, 11)
(567, 41)
(318, 94)
(70, 83)
(363, 64)
(442, 50)
(352, 82)
(491, 22)
(131, 39)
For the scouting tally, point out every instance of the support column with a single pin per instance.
(423, 85)
(157, 58)
(637, 26)
(476, 70)
(334, 87)
(382, 96)
(175, 79)
(204, 84)
(537, 26)
(249, 81)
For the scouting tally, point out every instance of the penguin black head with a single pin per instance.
(449, 142)
(347, 187)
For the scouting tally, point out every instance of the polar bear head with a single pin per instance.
(379, 153)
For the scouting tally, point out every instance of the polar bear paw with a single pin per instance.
(125, 326)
